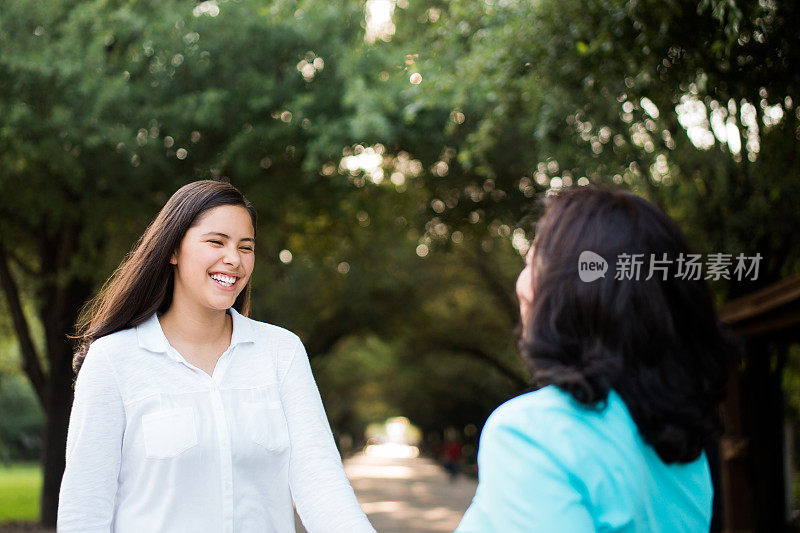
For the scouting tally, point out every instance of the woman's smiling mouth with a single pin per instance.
(224, 281)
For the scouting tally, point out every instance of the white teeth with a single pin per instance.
(222, 279)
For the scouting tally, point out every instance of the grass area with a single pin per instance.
(20, 487)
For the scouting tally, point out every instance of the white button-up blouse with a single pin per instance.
(157, 445)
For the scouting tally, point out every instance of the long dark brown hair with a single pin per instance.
(143, 283)
(656, 342)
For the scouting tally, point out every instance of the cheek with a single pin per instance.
(198, 259)
(207, 255)
(524, 285)
(249, 261)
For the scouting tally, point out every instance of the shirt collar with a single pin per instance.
(151, 336)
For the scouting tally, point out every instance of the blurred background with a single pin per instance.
(395, 151)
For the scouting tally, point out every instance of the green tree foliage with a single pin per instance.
(401, 267)
(690, 104)
(108, 107)
(21, 423)
(693, 105)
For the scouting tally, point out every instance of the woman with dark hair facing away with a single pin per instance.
(631, 371)
(189, 416)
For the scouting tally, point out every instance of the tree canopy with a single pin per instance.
(396, 177)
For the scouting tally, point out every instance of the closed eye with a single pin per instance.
(247, 248)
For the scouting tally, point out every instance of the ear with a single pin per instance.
(173, 258)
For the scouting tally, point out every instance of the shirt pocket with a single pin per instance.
(266, 424)
(169, 432)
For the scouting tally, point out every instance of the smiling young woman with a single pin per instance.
(188, 415)
(211, 265)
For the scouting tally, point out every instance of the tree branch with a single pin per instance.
(27, 267)
(496, 287)
(30, 359)
(481, 355)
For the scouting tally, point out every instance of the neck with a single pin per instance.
(187, 324)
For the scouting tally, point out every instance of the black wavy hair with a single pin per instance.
(656, 342)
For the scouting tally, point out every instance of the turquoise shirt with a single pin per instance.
(546, 463)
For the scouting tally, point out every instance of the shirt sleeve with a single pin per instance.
(315, 467)
(94, 444)
(522, 486)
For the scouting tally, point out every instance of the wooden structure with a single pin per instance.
(752, 477)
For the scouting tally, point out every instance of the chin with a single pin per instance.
(221, 304)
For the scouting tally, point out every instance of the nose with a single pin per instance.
(232, 257)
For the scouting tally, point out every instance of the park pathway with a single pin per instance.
(408, 495)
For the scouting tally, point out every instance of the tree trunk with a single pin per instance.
(58, 402)
(763, 403)
(58, 316)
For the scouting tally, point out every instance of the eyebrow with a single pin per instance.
(227, 237)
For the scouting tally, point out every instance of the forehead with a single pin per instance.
(230, 219)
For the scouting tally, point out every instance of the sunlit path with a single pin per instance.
(408, 495)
